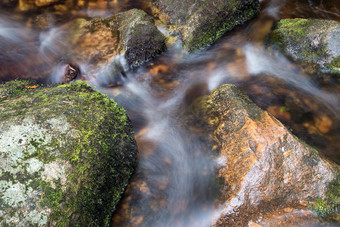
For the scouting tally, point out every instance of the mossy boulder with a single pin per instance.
(314, 43)
(128, 38)
(66, 155)
(201, 23)
(266, 172)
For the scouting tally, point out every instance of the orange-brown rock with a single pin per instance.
(32, 4)
(108, 45)
(66, 5)
(266, 169)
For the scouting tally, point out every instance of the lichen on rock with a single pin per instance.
(66, 154)
(313, 43)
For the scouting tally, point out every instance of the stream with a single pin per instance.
(174, 183)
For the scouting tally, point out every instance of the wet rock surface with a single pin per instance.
(107, 46)
(30, 5)
(202, 22)
(310, 119)
(70, 5)
(125, 40)
(66, 154)
(265, 170)
(314, 43)
(72, 71)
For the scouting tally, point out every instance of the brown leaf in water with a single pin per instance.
(159, 69)
(323, 124)
(31, 87)
(237, 70)
(288, 209)
(137, 220)
(157, 204)
(304, 203)
(143, 187)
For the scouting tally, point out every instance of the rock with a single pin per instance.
(266, 170)
(42, 21)
(29, 4)
(100, 42)
(72, 71)
(201, 23)
(314, 43)
(66, 154)
(69, 5)
(41, 3)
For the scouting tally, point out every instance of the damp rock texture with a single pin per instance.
(314, 43)
(127, 39)
(201, 23)
(34, 4)
(266, 171)
(66, 155)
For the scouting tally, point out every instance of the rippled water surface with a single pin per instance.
(174, 183)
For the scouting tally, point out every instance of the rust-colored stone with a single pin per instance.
(111, 46)
(266, 167)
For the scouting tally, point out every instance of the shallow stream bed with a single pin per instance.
(174, 183)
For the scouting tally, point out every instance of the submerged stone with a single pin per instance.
(66, 155)
(201, 23)
(267, 172)
(314, 43)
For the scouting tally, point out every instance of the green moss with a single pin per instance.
(213, 25)
(86, 157)
(335, 63)
(291, 32)
(6, 176)
(283, 109)
(53, 198)
(329, 208)
(102, 142)
(298, 26)
(15, 87)
(305, 144)
(334, 66)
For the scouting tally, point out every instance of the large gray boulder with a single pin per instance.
(66, 155)
(313, 43)
(201, 23)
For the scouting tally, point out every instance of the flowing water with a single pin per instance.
(174, 183)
